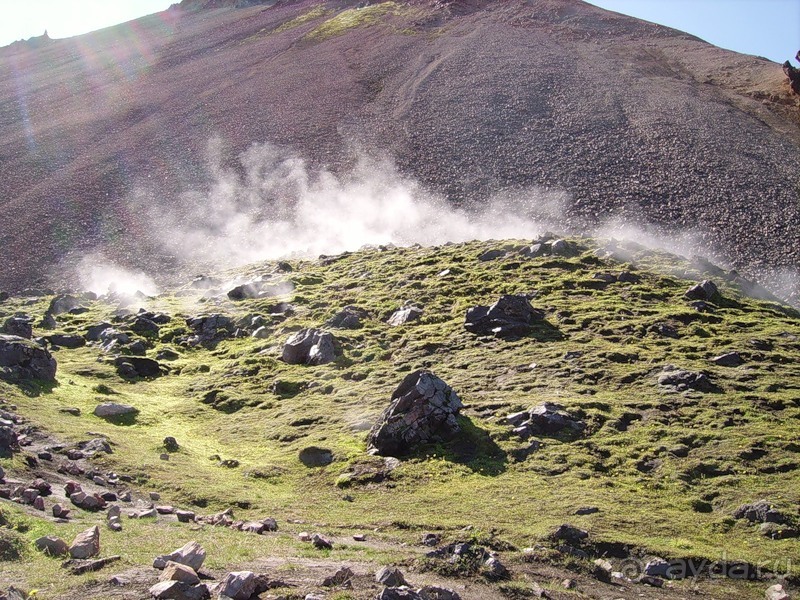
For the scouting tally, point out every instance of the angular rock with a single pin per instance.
(321, 542)
(59, 512)
(398, 593)
(191, 554)
(423, 409)
(309, 347)
(511, 315)
(546, 418)
(177, 572)
(729, 359)
(144, 326)
(432, 592)
(137, 366)
(21, 358)
(114, 410)
(569, 534)
(494, 569)
(79, 567)
(238, 585)
(390, 577)
(86, 544)
(62, 304)
(94, 446)
(407, 314)
(93, 331)
(9, 443)
(90, 502)
(342, 577)
(185, 516)
(759, 512)
(171, 444)
(707, 290)
(52, 545)
(178, 590)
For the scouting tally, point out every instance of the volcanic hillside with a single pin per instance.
(470, 98)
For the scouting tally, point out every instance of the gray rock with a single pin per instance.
(52, 545)
(315, 457)
(93, 331)
(707, 290)
(210, 328)
(569, 534)
(398, 593)
(114, 410)
(407, 314)
(191, 554)
(18, 326)
(94, 446)
(423, 409)
(62, 304)
(309, 347)
(90, 502)
(260, 333)
(321, 542)
(657, 567)
(511, 315)
(8, 441)
(349, 317)
(21, 358)
(2, 471)
(185, 516)
(144, 326)
(729, 359)
(178, 590)
(432, 592)
(390, 577)
(546, 418)
(238, 585)
(494, 569)
(342, 577)
(759, 512)
(682, 380)
(86, 544)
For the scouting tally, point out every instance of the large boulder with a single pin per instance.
(423, 409)
(310, 347)
(8, 442)
(510, 315)
(21, 358)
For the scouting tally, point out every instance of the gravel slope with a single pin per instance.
(471, 98)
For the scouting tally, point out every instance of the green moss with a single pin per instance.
(351, 18)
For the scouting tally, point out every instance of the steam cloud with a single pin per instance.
(277, 206)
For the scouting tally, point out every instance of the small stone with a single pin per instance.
(342, 577)
(359, 537)
(304, 536)
(185, 516)
(776, 592)
(154, 496)
(59, 512)
(38, 504)
(171, 444)
(321, 542)
(165, 510)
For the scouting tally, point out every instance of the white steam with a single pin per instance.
(276, 206)
(102, 277)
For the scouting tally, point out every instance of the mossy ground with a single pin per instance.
(596, 354)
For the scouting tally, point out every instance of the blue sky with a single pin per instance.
(769, 28)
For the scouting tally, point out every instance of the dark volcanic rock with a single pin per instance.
(545, 419)
(349, 317)
(706, 290)
(423, 409)
(19, 326)
(137, 366)
(66, 340)
(681, 380)
(22, 359)
(510, 315)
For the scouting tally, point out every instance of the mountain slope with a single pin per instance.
(633, 120)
